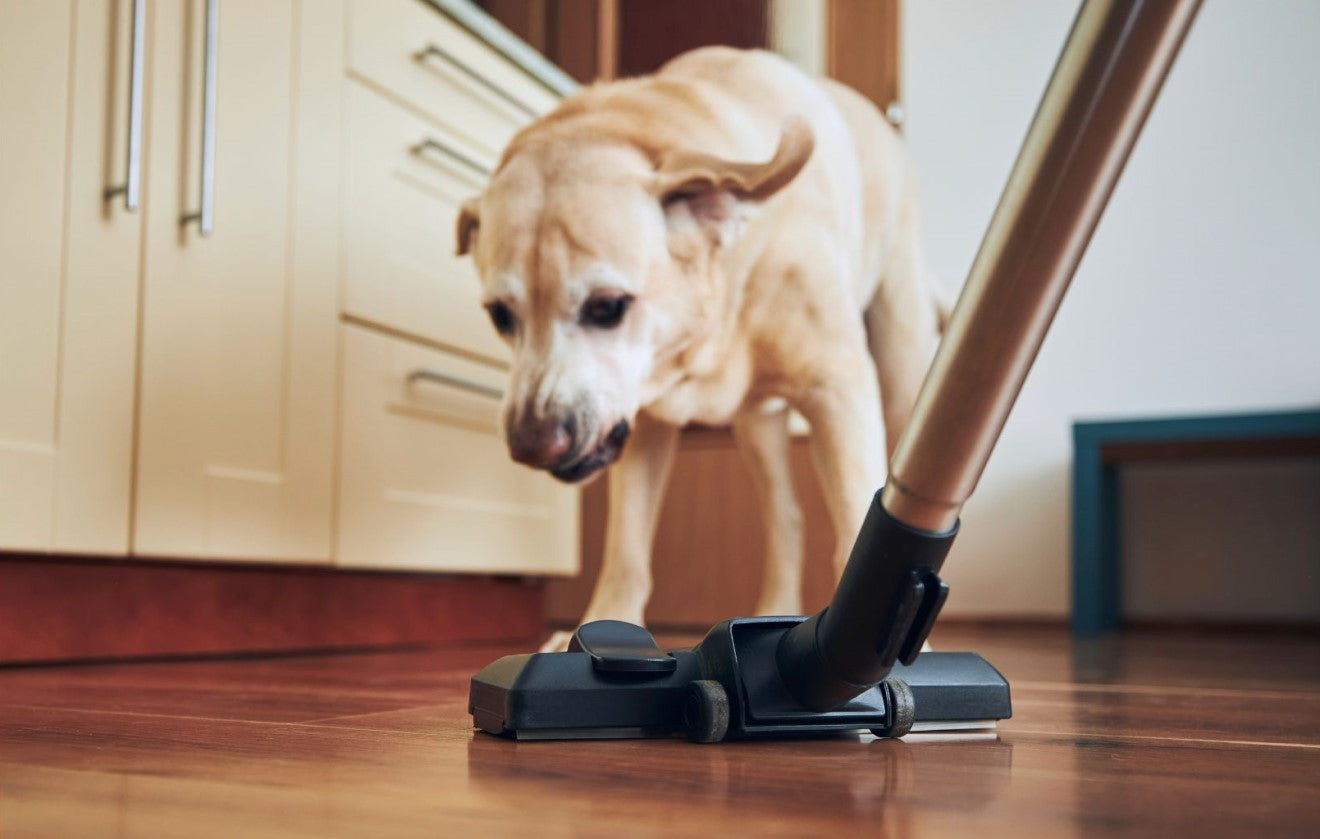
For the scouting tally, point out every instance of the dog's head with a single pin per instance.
(599, 267)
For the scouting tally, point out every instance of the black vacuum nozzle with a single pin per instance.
(854, 666)
(727, 687)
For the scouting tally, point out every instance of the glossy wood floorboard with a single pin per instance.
(1145, 734)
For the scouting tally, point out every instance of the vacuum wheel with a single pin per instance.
(706, 711)
(902, 710)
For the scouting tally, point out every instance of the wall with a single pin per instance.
(1200, 292)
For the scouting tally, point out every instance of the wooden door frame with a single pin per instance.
(864, 47)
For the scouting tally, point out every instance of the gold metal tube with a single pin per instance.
(1103, 86)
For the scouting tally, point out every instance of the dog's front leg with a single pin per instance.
(636, 490)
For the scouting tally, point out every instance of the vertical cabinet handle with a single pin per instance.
(131, 190)
(205, 217)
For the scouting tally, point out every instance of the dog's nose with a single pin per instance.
(540, 442)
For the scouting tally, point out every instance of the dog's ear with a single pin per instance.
(468, 223)
(713, 190)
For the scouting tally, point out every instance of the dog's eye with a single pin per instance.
(502, 317)
(605, 312)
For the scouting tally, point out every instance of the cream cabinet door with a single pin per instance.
(427, 483)
(68, 278)
(440, 70)
(238, 358)
(400, 209)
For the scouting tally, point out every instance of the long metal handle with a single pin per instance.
(205, 216)
(890, 593)
(428, 375)
(433, 50)
(444, 148)
(1103, 86)
(132, 188)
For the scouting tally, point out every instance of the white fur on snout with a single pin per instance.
(593, 374)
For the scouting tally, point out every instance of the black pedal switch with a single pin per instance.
(619, 647)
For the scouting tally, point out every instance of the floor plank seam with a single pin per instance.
(321, 720)
(1093, 735)
(1271, 693)
(312, 724)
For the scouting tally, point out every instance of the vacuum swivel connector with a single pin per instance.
(882, 611)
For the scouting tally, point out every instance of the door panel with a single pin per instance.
(235, 433)
(93, 473)
(400, 211)
(440, 70)
(34, 95)
(68, 295)
(427, 483)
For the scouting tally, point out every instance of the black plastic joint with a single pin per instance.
(882, 611)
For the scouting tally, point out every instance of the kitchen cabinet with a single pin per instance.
(425, 477)
(238, 359)
(69, 278)
(218, 363)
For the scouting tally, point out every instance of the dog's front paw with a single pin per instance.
(557, 642)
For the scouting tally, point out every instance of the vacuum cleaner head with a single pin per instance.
(616, 682)
(855, 665)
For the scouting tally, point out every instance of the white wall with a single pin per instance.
(1201, 289)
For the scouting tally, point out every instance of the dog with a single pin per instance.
(720, 242)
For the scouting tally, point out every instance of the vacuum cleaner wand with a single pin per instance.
(856, 665)
(1102, 89)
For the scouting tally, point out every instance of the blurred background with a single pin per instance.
(280, 429)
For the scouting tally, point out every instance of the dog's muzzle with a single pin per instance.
(543, 443)
(606, 452)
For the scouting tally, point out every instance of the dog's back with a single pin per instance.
(860, 193)
(859, 182)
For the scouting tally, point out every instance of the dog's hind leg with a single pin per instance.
(903, 324)
(636, 490)
(762, 437)
(847, 445)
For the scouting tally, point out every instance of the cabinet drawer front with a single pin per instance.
(438, 68)
(405, 180)
(426, 478)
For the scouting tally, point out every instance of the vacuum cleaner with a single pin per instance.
(858, 665)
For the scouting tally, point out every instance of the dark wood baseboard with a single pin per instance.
(59, 609)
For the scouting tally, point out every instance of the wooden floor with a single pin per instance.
(1147, 734)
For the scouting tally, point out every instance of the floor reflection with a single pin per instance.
(846, 776)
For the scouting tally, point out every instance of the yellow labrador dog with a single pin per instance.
(716, 243)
